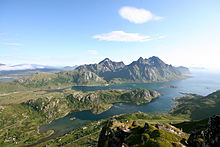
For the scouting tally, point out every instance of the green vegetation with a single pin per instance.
(6, 87)
(198, 107)
(88, 135)
(23, 112)
(45, 80)
(19, 125)
(61, 79)
(193, 125)
(29, 102)
(142, 132)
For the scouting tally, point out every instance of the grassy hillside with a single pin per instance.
(198, 107)
(61, 79)
(45, 80)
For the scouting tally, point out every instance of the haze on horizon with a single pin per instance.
(67, 32)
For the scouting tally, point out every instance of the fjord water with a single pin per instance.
(202, 83)
(7, 79)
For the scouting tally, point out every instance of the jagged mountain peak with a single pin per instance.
(150, 61)
(105, 65)
(141, 60)
(105, 60)
(155, 58)
(155, 61)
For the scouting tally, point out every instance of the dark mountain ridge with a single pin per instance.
(105, 65)
(143, 70)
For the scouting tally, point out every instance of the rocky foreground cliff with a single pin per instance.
(210, 137)
(136, 133)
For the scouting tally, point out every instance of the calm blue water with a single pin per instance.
(201, 83)
(7, 79)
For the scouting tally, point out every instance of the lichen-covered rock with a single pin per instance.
(208, 138)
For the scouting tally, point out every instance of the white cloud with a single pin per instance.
(122, 36)
(12, 44)
(92, 52)
(19, 67)
(161, 37)
(136, 15)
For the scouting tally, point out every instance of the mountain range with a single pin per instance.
(152, 69)
(143, 70)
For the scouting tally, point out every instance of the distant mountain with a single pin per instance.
(2, 64)
(105, 65)
(105, 72)
(63, 78)
(70, 67)
(142, 70)
(183, 70)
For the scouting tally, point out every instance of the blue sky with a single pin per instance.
(73, 32)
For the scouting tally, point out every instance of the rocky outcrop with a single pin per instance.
(209, 137)
(74, 77)
(133, 133)
(56, 104)
(140, 96)
(82, 77)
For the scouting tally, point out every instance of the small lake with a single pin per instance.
(201, 83)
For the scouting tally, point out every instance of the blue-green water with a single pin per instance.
(201, 83)
(7, 79)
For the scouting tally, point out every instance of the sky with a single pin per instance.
(75, 32)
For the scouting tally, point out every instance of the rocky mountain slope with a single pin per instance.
(65, 78)
(142, 70)
(183, 70)
(126, 133)
(105, 65)
(136, 133)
